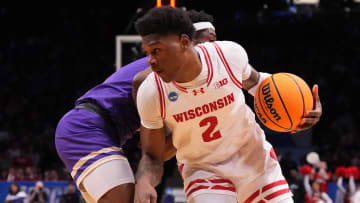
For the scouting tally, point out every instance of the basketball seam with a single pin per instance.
(302, 96)
(261, 105)
(282, 102)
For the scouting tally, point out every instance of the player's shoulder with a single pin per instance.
(223, 46)
(229, 45)
(150, 84)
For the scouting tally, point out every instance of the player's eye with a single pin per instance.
(155, 51)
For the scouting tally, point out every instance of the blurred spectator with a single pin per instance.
(296, 186)
(3, 174)
(356, 197)
(322, 176)
(51, 175)
(19, 174)
(314, 193)
(70, 196)
(30, 173)
(38, 195)
(14, 150)
(287, 163)
(15, 195)
(343, 194)
(23, 160)
(11, 174)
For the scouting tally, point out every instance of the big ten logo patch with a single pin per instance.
(221, 83)
(173, 96)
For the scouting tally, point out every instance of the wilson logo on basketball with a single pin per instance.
(258, 112)
(269, 101)
(281, 100)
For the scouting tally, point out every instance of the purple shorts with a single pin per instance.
(83, 142)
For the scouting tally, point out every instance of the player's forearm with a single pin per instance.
(150, 170)
(170, 150)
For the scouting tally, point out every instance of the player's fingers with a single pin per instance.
(308, 122)
(313, 114)
(153, 197)
(317, 103)
(152, 200)
(145, 199)
(305, 124)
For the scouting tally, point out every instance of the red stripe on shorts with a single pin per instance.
(252, 197)
(201, 187)
(220, 187)
(193, 182)
(277, 193)
(274, 184)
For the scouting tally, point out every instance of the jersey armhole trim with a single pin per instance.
(161, 95)
(227, 67)
(208, 63)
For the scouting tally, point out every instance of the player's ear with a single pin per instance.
(185, 41)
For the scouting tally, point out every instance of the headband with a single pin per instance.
(203, 25)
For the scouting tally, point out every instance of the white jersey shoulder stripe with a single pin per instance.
(208, 62)
(226, 64)
(161, 95)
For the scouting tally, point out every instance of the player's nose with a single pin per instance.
(151, 61)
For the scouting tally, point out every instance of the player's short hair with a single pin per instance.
(165, 20)
(200, 16)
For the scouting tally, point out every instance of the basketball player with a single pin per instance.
(89, 137)
(197, 92)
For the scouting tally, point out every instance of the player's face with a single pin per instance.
(202, 36)
(166, 54)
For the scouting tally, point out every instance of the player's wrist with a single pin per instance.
(262, 77)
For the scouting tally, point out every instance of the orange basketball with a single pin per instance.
(281, 100)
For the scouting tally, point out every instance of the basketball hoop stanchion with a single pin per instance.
(159, 4)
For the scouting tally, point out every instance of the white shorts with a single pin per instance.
(105, 177)
(216, 198)
(228, 179)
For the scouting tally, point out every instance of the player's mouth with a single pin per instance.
(159, 71)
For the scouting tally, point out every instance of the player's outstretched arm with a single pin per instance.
(252, 81)
(150, 168)
(311, 117)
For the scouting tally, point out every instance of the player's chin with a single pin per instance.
(165, 78)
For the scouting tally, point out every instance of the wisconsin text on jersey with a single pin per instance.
(204, 109)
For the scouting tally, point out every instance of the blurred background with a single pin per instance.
(51, 56)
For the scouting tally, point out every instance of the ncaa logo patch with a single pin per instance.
(173, 96)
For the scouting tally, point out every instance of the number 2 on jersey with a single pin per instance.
(209, 135)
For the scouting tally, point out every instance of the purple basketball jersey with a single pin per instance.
(115, 96)
(83, 139)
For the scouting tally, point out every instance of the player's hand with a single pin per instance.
(311, 117)
(144, 192)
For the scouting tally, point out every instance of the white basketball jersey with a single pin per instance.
(211, 122)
